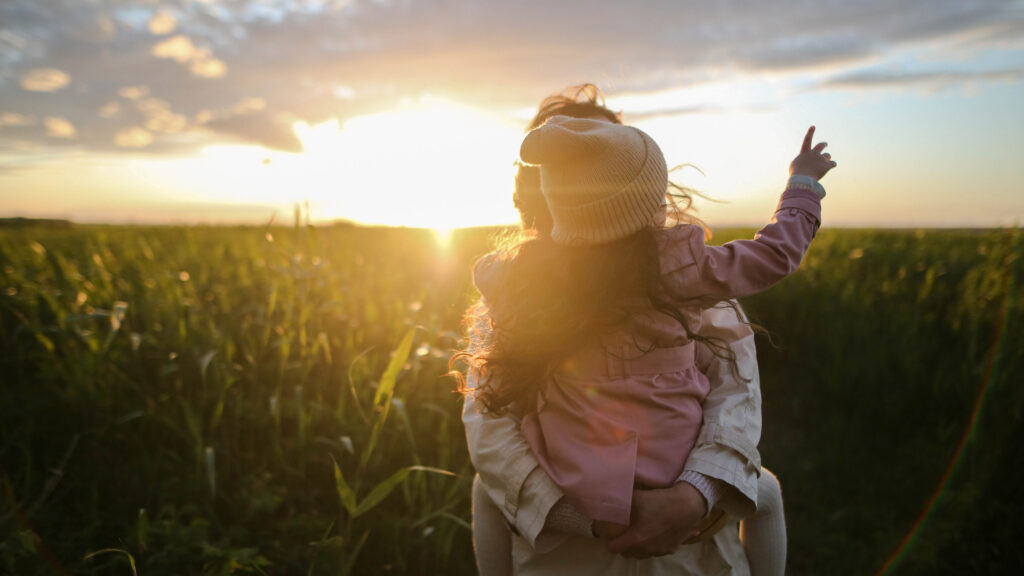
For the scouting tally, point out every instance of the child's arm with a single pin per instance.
(745, 267)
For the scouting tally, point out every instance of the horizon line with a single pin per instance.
(43, 222)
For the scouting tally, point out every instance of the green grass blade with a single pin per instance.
(352, 384)
(381, 491)
(387, 381)
(345, 494)
(131, 559)
(385, 390)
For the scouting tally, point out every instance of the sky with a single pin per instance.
(410, 112)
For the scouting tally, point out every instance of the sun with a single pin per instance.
(431, 163)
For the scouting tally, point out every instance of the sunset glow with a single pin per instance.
(432, 164)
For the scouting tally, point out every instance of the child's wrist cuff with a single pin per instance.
(564, 517)
(806, 182)
(711, 488)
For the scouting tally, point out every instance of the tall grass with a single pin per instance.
(228, 395)
(222, 401)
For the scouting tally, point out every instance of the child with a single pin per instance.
(594, 329)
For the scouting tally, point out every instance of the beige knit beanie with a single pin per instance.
(602, 181)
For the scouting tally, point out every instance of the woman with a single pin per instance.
(721, 471)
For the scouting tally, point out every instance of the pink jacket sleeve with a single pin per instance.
(743, 267)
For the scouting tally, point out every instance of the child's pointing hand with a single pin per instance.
(811, 161)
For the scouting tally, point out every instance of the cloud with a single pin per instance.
(12, 119)
(133, 92)
(109, 110)
(134, 137)
(178, 48)
(343, 92)
(316, 60)
(159, 117)
(673, 111)
(250, 105)
(879, 79)
(59, 127)
(807, 51)
(207, 66)
(266, 129)
(200, 62)
(45, 80)
(163, 22)
(204, 116)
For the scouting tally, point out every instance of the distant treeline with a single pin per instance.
(22, 222)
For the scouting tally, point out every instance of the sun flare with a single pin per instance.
(432, 164)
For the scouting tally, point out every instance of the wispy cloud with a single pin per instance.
(44, 80)
(199, 60)
(162, 22)
(877, 79)
(133, 137)
(59, 127)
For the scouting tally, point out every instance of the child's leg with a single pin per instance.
(764, 534)
(492, 540)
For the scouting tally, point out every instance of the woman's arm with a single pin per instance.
(511, 475)
(726, 447)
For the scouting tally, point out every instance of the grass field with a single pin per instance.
(251, 401)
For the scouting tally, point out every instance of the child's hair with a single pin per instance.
(581, 101)
(553, 301)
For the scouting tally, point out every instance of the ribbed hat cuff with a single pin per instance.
(608, 219)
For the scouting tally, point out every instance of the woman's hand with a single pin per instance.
(811, 161)
(660, 521)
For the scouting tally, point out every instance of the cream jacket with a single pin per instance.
(726, 449)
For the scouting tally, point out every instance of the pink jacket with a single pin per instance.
(613, 417)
